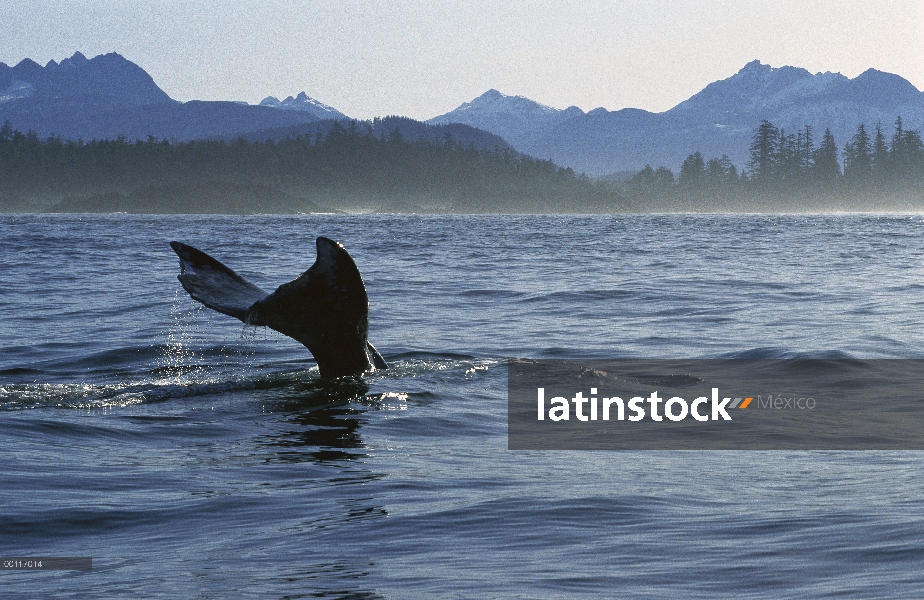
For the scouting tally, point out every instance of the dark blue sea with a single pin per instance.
(194, 457)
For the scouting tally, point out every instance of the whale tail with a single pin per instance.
(326, 308)
(215, 285)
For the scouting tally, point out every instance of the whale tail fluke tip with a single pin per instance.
(214, 284)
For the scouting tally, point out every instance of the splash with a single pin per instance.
(179, 364)
(26, 396)
(422, 367)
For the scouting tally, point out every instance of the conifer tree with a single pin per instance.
(693, 170)
(880, 156)
(721, 171)
(807, 150)
(826, 167)
(857, 156)
(765, 145)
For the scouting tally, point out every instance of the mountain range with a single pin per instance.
(719, 120)
(109, 96)
(305, 104)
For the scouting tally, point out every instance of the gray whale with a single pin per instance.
(325, 308)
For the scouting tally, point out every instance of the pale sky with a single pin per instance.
(422, 58)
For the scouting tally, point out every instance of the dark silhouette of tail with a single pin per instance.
(326, 308)
(215, 285)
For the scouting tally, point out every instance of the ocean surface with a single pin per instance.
(193, 457)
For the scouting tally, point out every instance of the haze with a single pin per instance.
(420, 59)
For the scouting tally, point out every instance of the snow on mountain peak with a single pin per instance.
(303, 102)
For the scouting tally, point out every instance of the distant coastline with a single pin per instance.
(763, 140)
(358, 169)
(346, 169)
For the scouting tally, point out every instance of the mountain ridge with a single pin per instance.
(718, 120)
(514, 118)
(303, 102)
(107, 78)
(109, 96)
(409, 129)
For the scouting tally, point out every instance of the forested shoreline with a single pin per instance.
(345, 168)
(351, 168)
(788, 171)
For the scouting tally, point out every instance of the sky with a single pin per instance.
(422, 58)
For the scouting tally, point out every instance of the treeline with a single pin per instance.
(346, 167)
(790, 166)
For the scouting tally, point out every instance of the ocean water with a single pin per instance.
(194, 457)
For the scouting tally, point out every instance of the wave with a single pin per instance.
(164, 383)
(775, 353)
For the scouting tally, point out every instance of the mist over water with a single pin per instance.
(194, 457)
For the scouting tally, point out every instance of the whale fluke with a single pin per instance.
(326, 308)
(215, 285)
